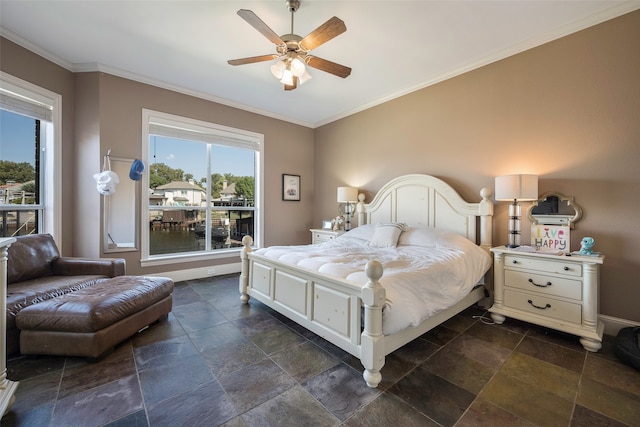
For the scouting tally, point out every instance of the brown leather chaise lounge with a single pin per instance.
(75, 306)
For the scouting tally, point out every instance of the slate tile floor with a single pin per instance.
(218, 362)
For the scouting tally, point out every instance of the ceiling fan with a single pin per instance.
(293, 51)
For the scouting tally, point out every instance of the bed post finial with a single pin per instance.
(372, 339)
(360, 210)
(486, 214)
(244, 270)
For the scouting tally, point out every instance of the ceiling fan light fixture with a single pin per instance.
(287, 78)
(292, 58)
(278, 68)
(297, 66)
(305, 77)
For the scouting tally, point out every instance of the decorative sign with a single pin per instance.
(550, 237)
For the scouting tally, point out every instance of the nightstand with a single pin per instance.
(555, 291)
(319, 235)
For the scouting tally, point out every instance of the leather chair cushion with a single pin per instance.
(30, 257)
(96, 307)
(35, 291)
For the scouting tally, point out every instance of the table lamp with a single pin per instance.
(516, 188)
(347, 195)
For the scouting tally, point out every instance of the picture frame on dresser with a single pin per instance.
(551, 237)
(290, 187)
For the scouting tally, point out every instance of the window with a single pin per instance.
(204, 188)
(29, 176)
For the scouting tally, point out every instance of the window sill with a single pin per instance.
(190, 257)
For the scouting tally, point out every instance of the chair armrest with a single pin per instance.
(72, 266)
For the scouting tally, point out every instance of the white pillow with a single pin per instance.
(386, 234)
(364, 232)
(420, 236)
(435, 238)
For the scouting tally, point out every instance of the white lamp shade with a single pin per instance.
(517, 187)
(347, 194)
(305, 77)
(297, 67)
(287, 78)
(278, 68)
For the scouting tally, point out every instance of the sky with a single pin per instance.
(188, 156)
(191, 157)
(13, 128)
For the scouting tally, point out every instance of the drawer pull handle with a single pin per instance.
(514, 261)
(566, 269)
(546, 285)
(539, 307)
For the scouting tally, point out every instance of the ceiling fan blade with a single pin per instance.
(259, 25)
(325, 32)
(328, 66)
(293, 86)
(252, 59)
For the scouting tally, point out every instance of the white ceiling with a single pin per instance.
(393, 47)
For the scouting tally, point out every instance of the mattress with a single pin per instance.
(426, 270)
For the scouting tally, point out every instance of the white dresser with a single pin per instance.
(320, 235)
(555, 291)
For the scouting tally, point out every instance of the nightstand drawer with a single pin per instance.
(543, 306)
(322, 237)
(545, 285)
(543, 265)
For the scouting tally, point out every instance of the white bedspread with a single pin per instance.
(427, 272)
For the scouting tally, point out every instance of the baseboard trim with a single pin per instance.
(612, 325)
(200, 273)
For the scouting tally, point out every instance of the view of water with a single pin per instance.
(178, 240)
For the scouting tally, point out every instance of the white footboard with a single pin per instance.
(332, 308)
(329, 307)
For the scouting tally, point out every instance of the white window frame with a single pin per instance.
(51, 193)
(243, 137)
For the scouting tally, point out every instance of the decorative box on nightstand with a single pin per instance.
(555, 291)
(319, 235)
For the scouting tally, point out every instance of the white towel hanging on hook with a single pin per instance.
(106, 180)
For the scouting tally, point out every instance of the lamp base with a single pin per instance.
(514, 240)
(514, 225)
(348, 213)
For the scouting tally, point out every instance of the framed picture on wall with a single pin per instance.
(290, 187)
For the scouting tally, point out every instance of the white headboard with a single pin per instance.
(426, 200)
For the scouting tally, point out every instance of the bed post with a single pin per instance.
(244, 270)
(372, 341)
(361, 210)
(486, 214)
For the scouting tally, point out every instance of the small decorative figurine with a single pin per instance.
(586, 245)
(337, 223)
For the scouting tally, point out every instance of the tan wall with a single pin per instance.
(87, 229)
(568, 111)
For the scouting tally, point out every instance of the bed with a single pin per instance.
(348, 301)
